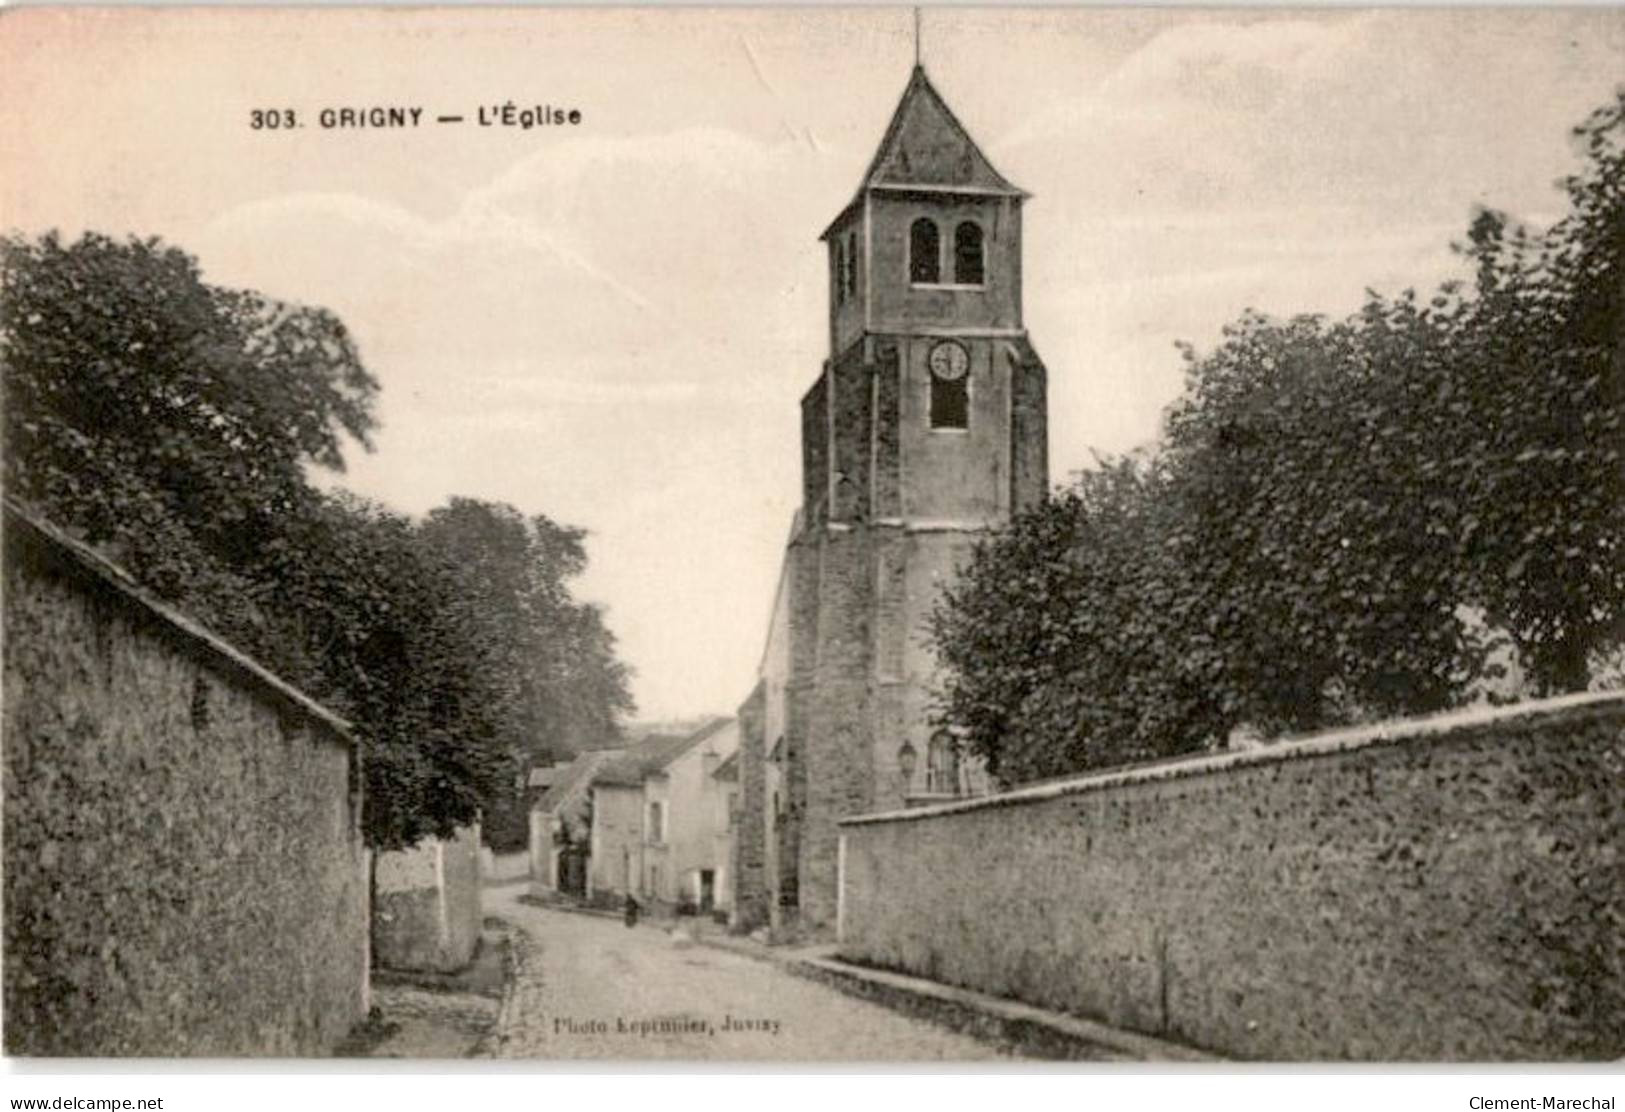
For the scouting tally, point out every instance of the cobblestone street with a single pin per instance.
(591, 988)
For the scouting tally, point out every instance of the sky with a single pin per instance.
(612, 323)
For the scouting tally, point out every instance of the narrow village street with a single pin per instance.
(591, 988)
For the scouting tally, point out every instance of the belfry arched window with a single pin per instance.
(851, 264)
(968, 268)
(924, 252)
(839, 259)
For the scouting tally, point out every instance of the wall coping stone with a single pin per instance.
(89, 564)
(1394, 731)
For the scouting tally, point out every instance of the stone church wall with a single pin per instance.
(748, 847)
(887, 485)
(862, 584)
(956, 474)
(806, 602)
(1434, 889)
(897, 305)
(836, 756)
(847, 313)
(852, 451)
(815, 453)
(184, 871)
(1029, 428)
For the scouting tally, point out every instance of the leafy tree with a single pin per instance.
(168, 420)
(1319, 532)
(562, 688)
(1068, 642)
(173, 423)
(1339, 522)
(396, 649)
(1277, 563)
(1540, 366)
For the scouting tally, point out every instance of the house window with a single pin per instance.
(657, 822)
(733, 810)
(968, 254)
(924, 253)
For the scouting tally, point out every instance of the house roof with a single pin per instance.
(728, 769)
(629, 768)
(926, 148)
(544, 777)
(575, 777)
(652, 756)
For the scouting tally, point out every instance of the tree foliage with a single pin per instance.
(1068, 642)
(1340, 522)
(561, 687)
(168, 420)
(173, 423)
(389, 639)
(568, 687)
(1542, 355)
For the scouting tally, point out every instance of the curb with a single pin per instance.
(1033, 1031)
(515, 960)
(1021, 1028)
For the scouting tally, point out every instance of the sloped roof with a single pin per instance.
(575, 777)
(543, 777)
(652, 755)
(629, 768)
(728, 769)
(926, 147)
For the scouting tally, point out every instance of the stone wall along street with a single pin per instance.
(1432, 889)
(184, 872)
(428, 904)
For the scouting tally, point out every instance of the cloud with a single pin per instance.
(1247, 67)
(505, 393)
(601, 246)
(1410, 110)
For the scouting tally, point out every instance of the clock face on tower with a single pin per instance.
(949, 360)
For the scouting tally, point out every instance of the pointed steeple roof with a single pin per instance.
(925, 144)
(926, 147)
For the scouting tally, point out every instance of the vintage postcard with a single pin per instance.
(815, 534)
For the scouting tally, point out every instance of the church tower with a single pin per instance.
(925, 428)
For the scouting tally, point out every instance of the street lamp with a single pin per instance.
(906, 759)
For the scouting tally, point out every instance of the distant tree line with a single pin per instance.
(1342, 519)
(175, 424)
